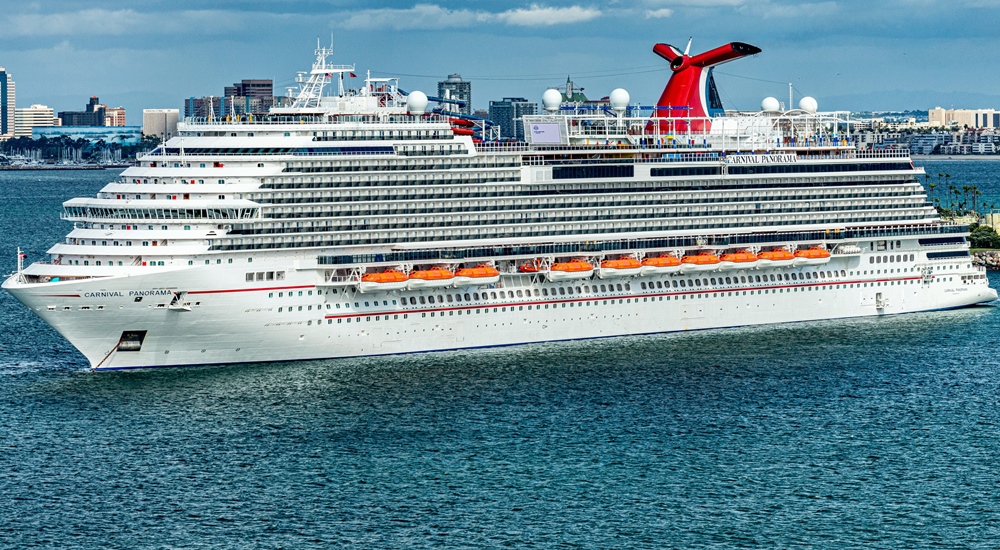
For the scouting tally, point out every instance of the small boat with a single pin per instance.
(479, 275)
(621, 267)
(743, 259)
(660, 265)
(567, 271)
(812, 256)
(390, 279)
(704, 261)
(528, 267)
(430, 278)
(778, 257)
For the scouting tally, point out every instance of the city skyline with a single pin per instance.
(897, 54)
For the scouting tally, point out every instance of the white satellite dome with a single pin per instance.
(808, 105)
(416, 102)
(619, 99)
(770, 105)
(551, 99)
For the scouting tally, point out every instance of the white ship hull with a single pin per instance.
(245, 322)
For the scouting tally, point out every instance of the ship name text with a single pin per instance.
(761, 159)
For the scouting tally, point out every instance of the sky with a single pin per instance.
(849, 55)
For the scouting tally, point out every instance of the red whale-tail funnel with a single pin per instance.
(691, 92)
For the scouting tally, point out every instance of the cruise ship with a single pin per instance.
(365, 222)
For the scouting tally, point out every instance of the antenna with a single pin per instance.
(688, 48)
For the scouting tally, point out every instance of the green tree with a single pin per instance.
(983, 236)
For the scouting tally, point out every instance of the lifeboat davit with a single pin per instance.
(700, 262)
(389, 279)
(622, 267)
(567, 271)
(479, 275)
(775, 258)
(812, 256)
(743, 259)
(660, 265)
(431, 278)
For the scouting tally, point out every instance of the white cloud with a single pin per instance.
(421, 16)
(536, 15)
(103, 22)
(431, 16)
(659, 14)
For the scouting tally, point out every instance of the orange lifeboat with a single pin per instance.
(574, 269)
(390, 279)
(743, 259)
(776, 258)
(479, 275)
(528, 267)
(704, 261)
(621, 267)
(812, 256)
(433, 277)
(463, 131)
(658, 265)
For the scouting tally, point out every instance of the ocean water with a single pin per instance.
(880, 432)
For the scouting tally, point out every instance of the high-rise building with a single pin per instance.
(250, 88)
(507, 114)
(458, 89)
(92, 116)
(114, 116)
(160, 122)
(32, 117)
(6, 105)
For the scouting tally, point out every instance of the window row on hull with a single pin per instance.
(456, 212)
(396, 165)
(348, 205)
(403, 235)
(98, 212)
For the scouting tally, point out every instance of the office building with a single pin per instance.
(93, 115)
(114, 116)
(507, 114)
(456, 88)
(962, 118)
(160, 122)
(6, 105)
(32, 117)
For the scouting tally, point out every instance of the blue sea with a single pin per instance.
(879, 432)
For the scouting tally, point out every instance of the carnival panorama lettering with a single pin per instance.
(131, 293)
(760, 159)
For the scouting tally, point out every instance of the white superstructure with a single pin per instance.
(355, 224)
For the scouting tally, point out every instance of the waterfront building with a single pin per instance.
(31, 117)
(92, 115)
(508, 114)
(572, 94)
(971, 118)
(122, 135)
(160, 122)
(6, 105)
(456, 88)
(114, 116)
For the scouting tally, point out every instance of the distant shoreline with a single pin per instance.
(65, 167)
(955, 157)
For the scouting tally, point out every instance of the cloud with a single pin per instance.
(103, 22)
(537, 15)
(659, 14)
(421, 16)
(431, 16)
